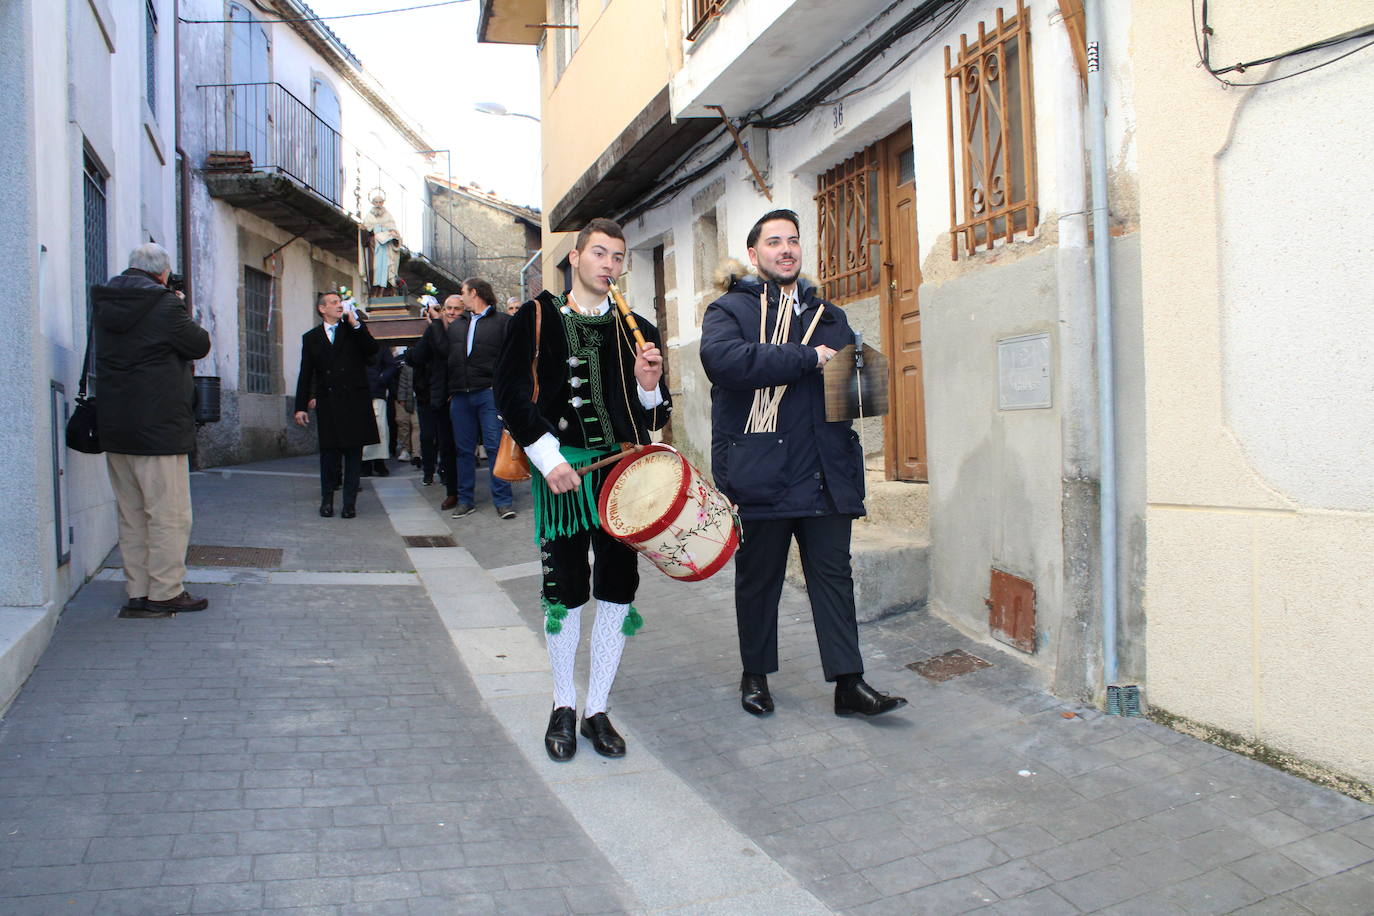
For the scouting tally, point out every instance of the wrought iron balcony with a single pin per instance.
(262, 127)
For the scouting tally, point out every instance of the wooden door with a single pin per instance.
(905, 428)
(661, 319)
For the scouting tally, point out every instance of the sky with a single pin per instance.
(432, 67)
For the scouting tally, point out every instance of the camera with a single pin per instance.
(176, 283)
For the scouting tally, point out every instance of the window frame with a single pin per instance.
(258, 346)
(849, 227)
(150, 31)
(983, 183)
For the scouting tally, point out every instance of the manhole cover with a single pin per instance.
(430, 540)
(259, 557)
(951, 664)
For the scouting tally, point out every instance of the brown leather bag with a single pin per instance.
(511, 463)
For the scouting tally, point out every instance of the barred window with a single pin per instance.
(703, 11)
(150, 53)
(257, 332)
(95, 234)
(992, 157)
(847, 217)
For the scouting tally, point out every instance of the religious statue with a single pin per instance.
(386, 245)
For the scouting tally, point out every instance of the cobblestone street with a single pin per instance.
(359, 730)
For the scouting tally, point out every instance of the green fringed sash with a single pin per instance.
(561, 514)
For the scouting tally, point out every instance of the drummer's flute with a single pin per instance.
(624, 308)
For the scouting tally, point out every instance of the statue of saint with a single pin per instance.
(386, 244)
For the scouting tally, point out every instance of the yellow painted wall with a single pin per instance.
(626, 54)
(1258, 600)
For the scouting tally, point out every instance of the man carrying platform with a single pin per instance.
(596, 389)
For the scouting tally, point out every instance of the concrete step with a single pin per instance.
(896, 503)
(890, 550)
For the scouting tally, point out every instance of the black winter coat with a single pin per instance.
(429, 356)
(381, 374)
(563, 410)
(335, 375)
(474, 371)
(145, 344)
(808, 467)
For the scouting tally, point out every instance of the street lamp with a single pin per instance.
(496, 108)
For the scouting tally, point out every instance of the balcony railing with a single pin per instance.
(263, 127)
(279, 133)
(703, 11)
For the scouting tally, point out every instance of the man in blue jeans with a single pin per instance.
(474, 343)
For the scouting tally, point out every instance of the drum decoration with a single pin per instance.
(657, 503)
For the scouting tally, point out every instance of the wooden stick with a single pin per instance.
(611, 459)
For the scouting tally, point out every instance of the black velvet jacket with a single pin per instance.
(579, 358)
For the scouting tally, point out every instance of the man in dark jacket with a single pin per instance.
(382, 370)
(429, 357)
(791, 473)
(474, 344)
(145, 344)
(333, 381)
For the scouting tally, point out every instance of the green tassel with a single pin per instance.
(561, 514)
(553, 616)
(632, 622)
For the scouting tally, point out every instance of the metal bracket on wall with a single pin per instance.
(743, 151)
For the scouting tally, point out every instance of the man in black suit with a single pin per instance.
(333, 381)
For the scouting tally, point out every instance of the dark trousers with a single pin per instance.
(475, 418)
(613, 578)
(760, 565)
(352, 461)
(436, 444)
(429, 437)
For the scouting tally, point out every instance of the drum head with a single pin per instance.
(641, 490)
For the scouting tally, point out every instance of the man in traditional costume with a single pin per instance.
(791, 473)
(597, 389)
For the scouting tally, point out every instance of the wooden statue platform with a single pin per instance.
(395, 321)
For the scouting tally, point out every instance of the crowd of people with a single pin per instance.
(562, 374)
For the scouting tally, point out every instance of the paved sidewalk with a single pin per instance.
(359, 731)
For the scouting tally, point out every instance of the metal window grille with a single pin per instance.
(257, 327)
(95, 229)
(150, 53)
(703, 11)
(992, 193)
(847, 216)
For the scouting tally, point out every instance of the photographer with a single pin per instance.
(145, 344)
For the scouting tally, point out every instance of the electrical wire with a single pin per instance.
(1202, 41)
(404, 9)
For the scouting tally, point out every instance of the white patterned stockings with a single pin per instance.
(608, 641)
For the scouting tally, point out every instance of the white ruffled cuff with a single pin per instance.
(544, 453)
(650, 399)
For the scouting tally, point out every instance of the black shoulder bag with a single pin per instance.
(83, 432)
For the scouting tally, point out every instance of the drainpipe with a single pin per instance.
(1106, 367)
(524, 267)
(183, 165)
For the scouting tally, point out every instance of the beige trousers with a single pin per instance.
(153, 493)
(407, 430)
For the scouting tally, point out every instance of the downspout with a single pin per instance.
(524, 267)
(1106, 365)
(183, 166)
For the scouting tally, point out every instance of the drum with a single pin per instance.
(656, 502)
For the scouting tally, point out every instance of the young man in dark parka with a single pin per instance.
(791, 473)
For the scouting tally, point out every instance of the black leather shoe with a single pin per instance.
(560, 738)
(606, 741)
(183, 602)
(135, 604)
(349, 512)
(863, 700)
(327, 507)
(754, 695)
(380, 469)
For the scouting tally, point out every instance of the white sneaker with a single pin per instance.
(403, 455)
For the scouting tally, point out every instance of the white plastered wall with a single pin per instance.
(1256, 270)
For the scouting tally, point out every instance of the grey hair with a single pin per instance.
(152, 258)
